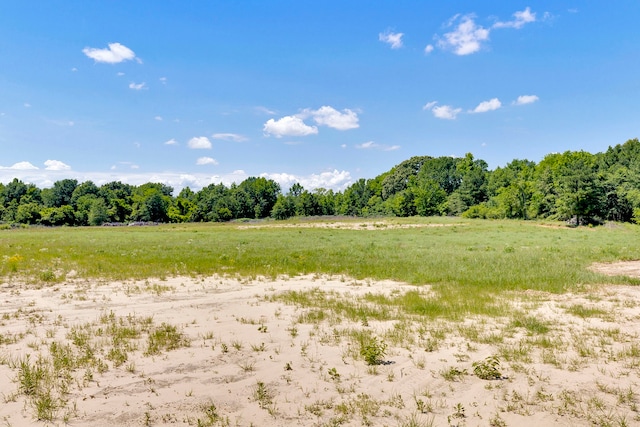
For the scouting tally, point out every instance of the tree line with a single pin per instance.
(575, 185)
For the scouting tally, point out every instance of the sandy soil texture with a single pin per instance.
(240, 355)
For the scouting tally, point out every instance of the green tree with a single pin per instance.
(60, 194)
(284, 208)
(580, 192)
(98, 212)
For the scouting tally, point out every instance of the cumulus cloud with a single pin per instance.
(428, 48)
(526, 99)
(491, 105)
(199, 143)
(158, 118)
(442, 111)
(336, 180)
(329, 116)
(21, 166)
(369, 145)
(128, 173)
(466, 38)
(56, 165)
(229, 137)
(392, 39)
(172, 141)
(288, 126)
(137, 86)
(113, 54)
(519, 20)
(206, 161)
(446, 112)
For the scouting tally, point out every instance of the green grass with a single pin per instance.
(462, 259)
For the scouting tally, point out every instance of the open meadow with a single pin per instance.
(323, 322)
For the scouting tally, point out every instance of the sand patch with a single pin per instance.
(350, 225)
(621, 268)
(255, 358)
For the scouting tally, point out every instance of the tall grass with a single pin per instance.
(492, 256)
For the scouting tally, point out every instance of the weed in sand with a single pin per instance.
(487, 369)
(165, 337)
(453, 373)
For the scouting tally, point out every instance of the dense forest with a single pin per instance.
(575, 185)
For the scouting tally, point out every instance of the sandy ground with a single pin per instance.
(251, 359)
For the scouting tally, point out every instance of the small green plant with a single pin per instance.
(45, 406)
(293, 331)
(458, 411)
(453, 374)
(47, 276)
(333, 373)
(372, 350)
(263, 395)
(487, 369)
(165, 337)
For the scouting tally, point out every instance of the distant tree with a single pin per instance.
(397, 179)
(98, 213)
(60, 194)
(580, 192)
(284, 208)
(355, 198)
(429, 198)
(28, 213)
(256, 196)
(56, 216)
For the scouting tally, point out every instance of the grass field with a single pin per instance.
(461, 259)
(399, 322)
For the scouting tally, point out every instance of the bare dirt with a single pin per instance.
(252, 360)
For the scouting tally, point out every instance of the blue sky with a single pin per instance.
(321, 93)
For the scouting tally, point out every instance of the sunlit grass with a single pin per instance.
(461, 258)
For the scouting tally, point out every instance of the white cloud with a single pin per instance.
(429, 105)
(127, 172)
(21, 166)
(428, 48)
(366, 145)
(172, 141)
(520, 19)
(369, 145)
(526, 99)
(158, 118)
(27, 105)
(137, 86)
(491, 105)
(264, 110)
(206, 161)
(74, 69)
(229, 137)
(56, 165)
(336, 180)
(114, 54)
(288, 126)
(163, 80)
(446, 112)
(392, 39)
(329, 116)
(466, 38)
(199, 143)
